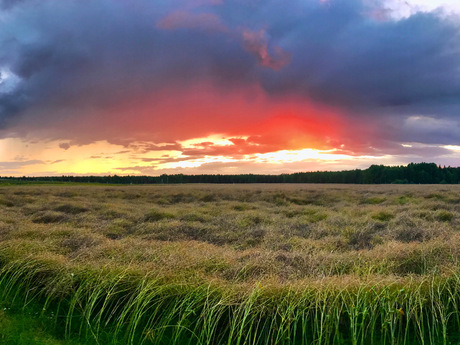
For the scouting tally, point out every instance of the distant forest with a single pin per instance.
(414, 173)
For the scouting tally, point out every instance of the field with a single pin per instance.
(230, 264)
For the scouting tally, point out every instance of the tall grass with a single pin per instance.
(106, 307)
(221, 265)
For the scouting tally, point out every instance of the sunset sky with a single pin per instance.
(145, 87)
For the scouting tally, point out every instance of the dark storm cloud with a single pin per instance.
(77, 56)
(431, 130)
(376, 64)
(93, 54)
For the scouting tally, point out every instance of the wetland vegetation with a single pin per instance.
(252, 264)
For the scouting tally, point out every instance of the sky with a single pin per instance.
(141, 87)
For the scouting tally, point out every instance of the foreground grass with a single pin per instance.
(19, 327)
(235, 264)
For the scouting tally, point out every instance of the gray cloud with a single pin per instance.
(64, 146)
(85, 57)
(12, 166)
(8, 4)
(377, 64)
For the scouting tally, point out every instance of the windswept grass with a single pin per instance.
(221, 265)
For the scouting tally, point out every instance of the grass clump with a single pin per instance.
(118, 228)
(362, 238)
(76, 243)
(402, 200)
(374, 200)
(316, 217)
(71, 209)
(383, 216)
(6, 203)
(443, 216)
(47, 217)
(193, 217)
(411, 234)
(155, 215)
(241, 207)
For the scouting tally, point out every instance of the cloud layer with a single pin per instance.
(305, 74)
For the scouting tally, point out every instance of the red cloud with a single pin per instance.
(250, 118)
(256, 42)
(188, 20)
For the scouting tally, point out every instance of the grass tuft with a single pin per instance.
(155, 215)
(47, 217)
(383, 216)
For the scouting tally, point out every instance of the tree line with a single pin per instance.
(413, 173)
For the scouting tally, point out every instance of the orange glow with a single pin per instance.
(242, 126)
(289, 156)
(102, 158)
(185, 112)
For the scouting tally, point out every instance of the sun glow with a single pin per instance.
(455, 148)
(195, 163)
(214, 140)
(217, 151)
(288, 156)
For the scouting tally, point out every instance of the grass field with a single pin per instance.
(230, 264)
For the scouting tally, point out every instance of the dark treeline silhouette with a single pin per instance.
(415, 173)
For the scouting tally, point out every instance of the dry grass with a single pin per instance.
(238, 234)
(238, 237)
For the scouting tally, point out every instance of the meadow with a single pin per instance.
(251, 264)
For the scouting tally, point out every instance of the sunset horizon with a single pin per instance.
(245, 172)
(227, 87)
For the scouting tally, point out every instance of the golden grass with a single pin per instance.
(241, 238)
(237, 234)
